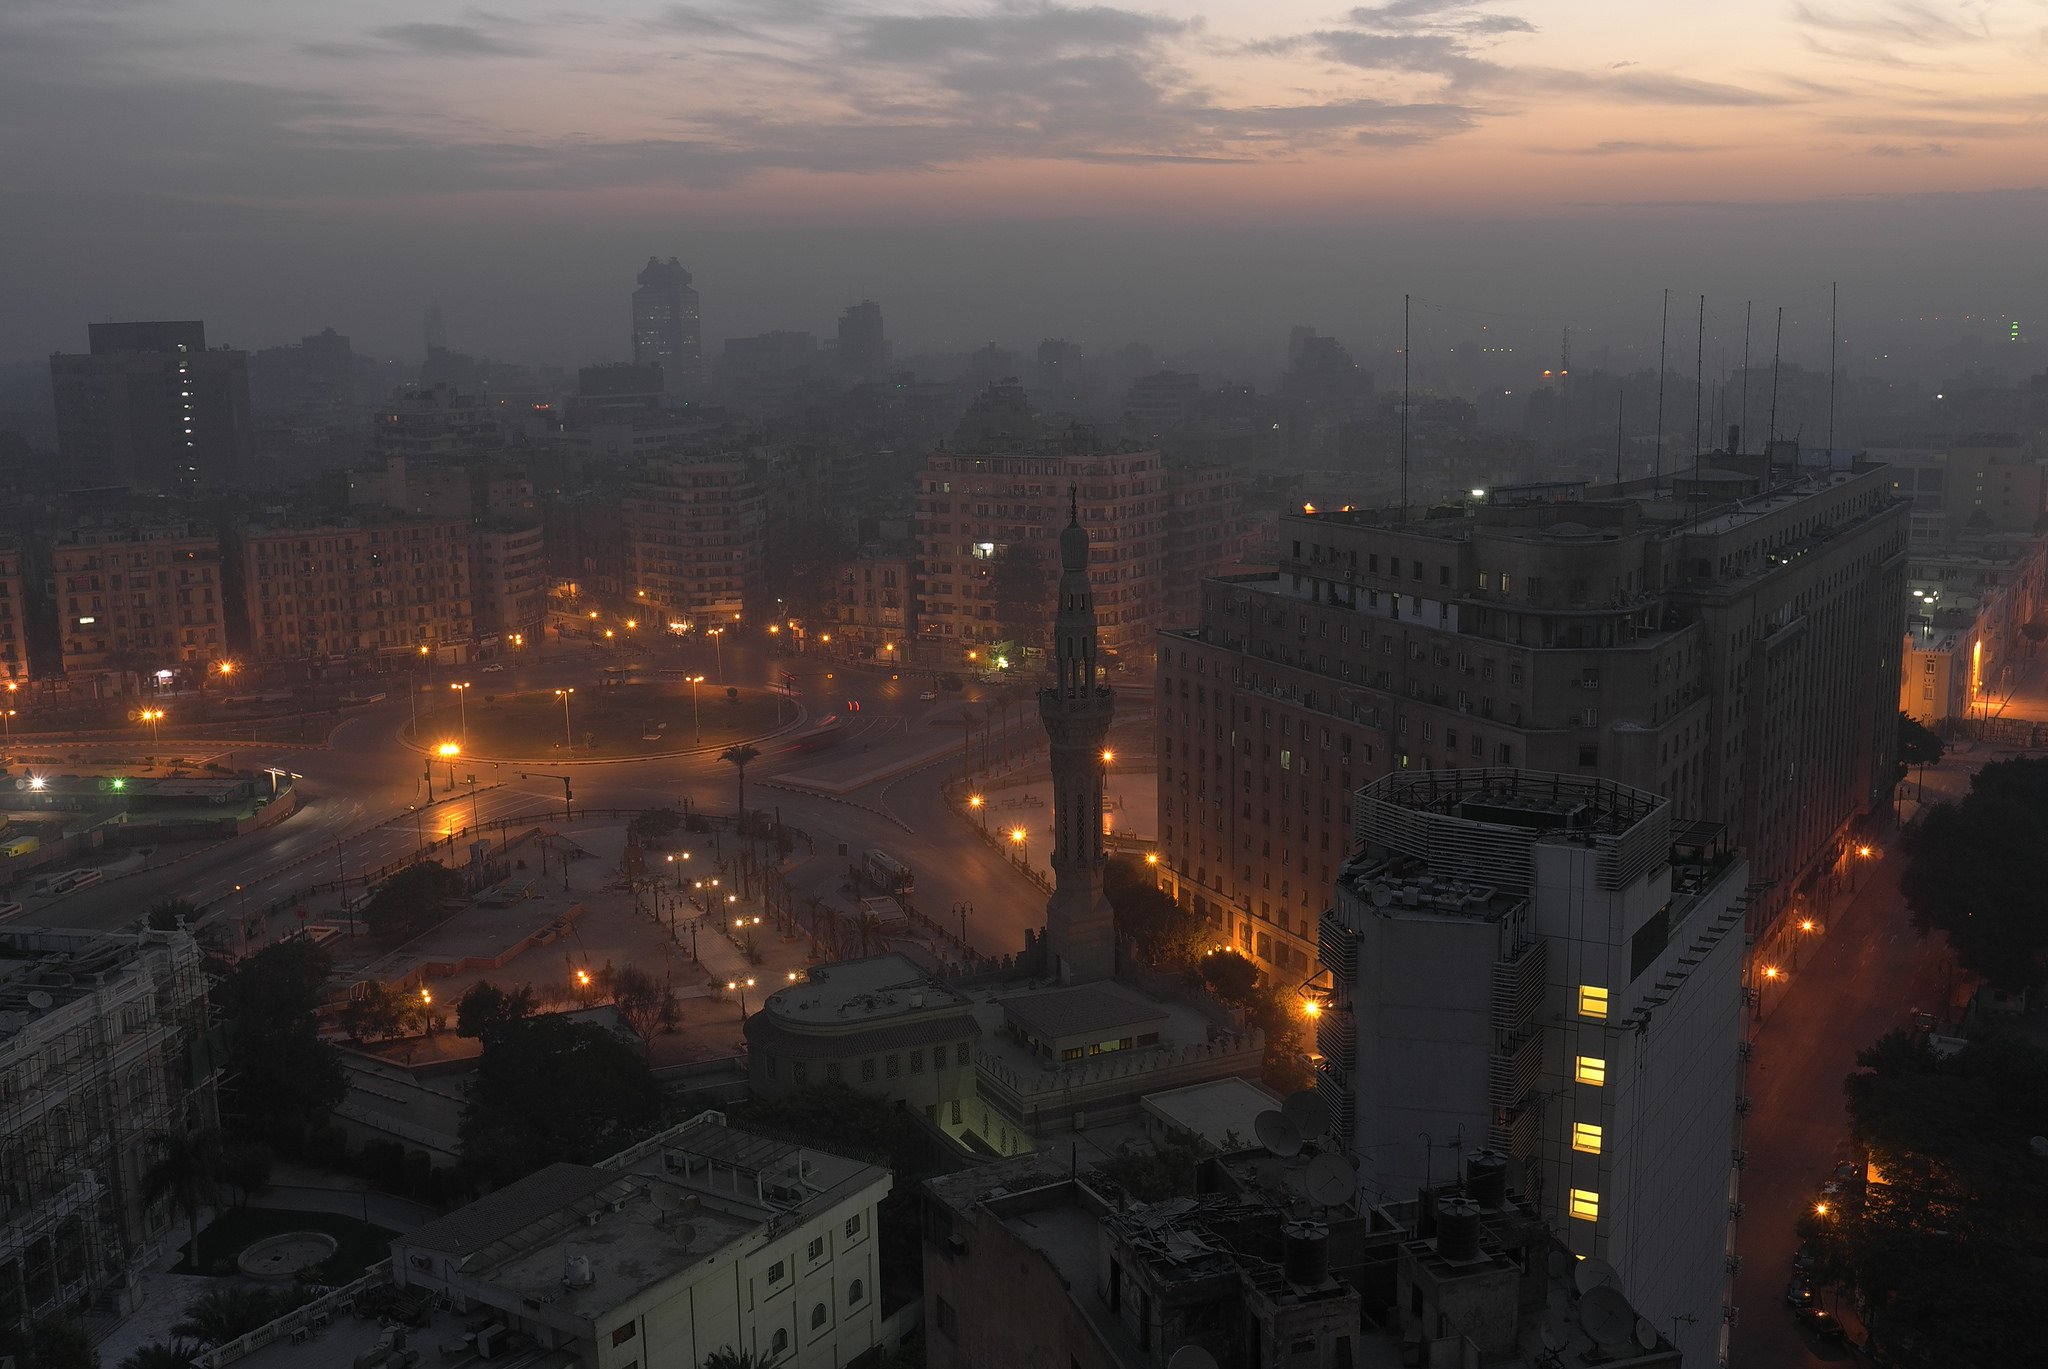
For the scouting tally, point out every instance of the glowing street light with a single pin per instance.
(1151, 857)
(462, 705)
(1771, 972)
(980, 806)
(740, 986)
(448, 751)
(568, 742)
(696, 714)
(154, 717)
(1311, 1009)
(225, 667)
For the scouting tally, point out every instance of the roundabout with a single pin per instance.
(631, 721)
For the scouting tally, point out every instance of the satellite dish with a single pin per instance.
(1277, 1134)
(1550, 1341)
(1594, 1273)
(2039, 1145)
(664, 1199)
(1307, 1110)
(1191, 1357)
(1646, 1333)
(687, 1234)
(1331, 1181)
(1381, 896)
(39, 1000)
(1606, 1315)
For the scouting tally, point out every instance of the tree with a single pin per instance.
(55, 1342)
(1917, 745)
(167, 914)
(280, 1079)
(372, 1014)
(739, 758)
(245, 1167)
(1166, 935)
(485, 1006)
(653, 825)
(1017, 581)
(187, 1169)
(2034, 632)
(1232, 977)
(642, 1000)
(729, 1358)
(548, 1089)
(1152, 1172)
(1977, 871)
(164, 1354)
(411, 899)
(227, 1314)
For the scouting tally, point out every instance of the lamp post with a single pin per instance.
(717, 636)
(1022, 841)
(980, 806)
(448, 751)
(740, 986)
(568, 741)
(696, 713)
(462, 706)
(152, 716)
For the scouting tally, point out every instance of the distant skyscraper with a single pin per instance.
(1076, 710)
(150, 406)
(668, 329)
(863, 350)
(436, 328)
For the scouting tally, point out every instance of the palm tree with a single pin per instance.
(227, 1314)
(739, 757)
(161, 1354)
(187, 1169)
(729, 1358)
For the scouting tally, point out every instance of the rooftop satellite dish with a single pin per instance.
(1646, 1333)
(1606, 1315)
(687, 1234)
(39, 1000)
(665, 1200)
(1381, 896)
(1331, 1181)
(1277, 1134)
(1550, 1341)
(1307, 1110)
(1191, 1357)
(1593, 1273)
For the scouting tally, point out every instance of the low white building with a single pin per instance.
(702, 1238)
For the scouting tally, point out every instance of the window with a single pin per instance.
(949, 1326)
(852, 1227)
(892, 1064)
(960, 1054)
(867, 1070)
(853, 1293)
(1592, 1070)
(776, 1272)
(1586, 1137)
(1585, 1204)
(817, 1250)
(625, 1333)
(818, 1313)
(779, 1344)
(1592, 1001)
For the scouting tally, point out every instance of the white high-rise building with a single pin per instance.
(1544, 967)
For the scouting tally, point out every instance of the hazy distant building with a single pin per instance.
(312, 381)
(863, 348)
(435, 421)
(150, 406)
(1160, 402)
(137, 603)
(1546, 968)
(872, 605)
(696, 534)
(434, 328)
(1981, 483)
(617, 385)
(509, 578)
(668, 329)
(1733, 647)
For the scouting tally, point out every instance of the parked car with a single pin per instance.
(495, 667)
(928, 696)
(1821, 1324)
(1799, 1295)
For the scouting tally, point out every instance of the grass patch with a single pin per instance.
(605, 722)
(358, 1244)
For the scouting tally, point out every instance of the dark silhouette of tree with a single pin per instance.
(643, 1002)
(187, 1169)
(729, 1358)
(280, 1079)
(1167, 936)
(163, 1354)
(1918, 745)
(410, 900)
(1978, 873)
(55, 1342)
(739, 758)
(485, 1005)
(548, 1089)
(1232, 977)
(373, 1014)
(1017, 581)
(227, 1314)
(165, 915)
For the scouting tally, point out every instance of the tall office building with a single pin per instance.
(150, 406)
(668, 327)
(1545, 968)
(863, 349)
(1076, 708)
(1729, 642)
(696, 537)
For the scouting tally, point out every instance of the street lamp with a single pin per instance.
(980, 806)
(226, 668)
(462, 705)
(448, 751)
(152, 716)
(717, 636)
(568, 742)
(696, 713)
(740, 986)
(1021, 839)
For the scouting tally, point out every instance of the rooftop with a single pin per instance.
(1214, 1111)
(1091, 1010)
(44, 971)
(861, 991)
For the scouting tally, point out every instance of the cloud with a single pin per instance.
(1624, 147)
(1922, 150)
(450, 40)
(1904, 21)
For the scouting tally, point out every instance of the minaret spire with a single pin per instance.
(1076, 709)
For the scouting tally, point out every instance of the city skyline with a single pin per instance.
(1122, 164)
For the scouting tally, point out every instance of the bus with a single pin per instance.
(887, 874)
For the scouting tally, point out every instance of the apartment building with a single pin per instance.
(137, 602)
(1544, 967)
(1730, 643)
(987, 525)
(150, 405)
(1976, 484)
(509, 577)
(101, 1053)
(871, 609)
(357, 587)
(696, 533)
(1205, 535)
(13, 613)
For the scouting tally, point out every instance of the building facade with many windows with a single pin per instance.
(1731, 646)
(697, 533)
(13, 614)
(135, 601)
(374, 586)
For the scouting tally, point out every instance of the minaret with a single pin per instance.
(1079, 930)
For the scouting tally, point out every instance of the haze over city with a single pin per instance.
(1196, 175)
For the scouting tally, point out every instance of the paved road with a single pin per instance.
(364, 791)
(1861, 978)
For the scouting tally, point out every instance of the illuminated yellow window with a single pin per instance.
(1592, 1001)
(1585, 1205)
(1592, 1070)
(1586, 1137)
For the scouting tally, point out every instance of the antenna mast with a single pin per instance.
(1834, 332)
(1620, 406)
(1747, 305)
(1777, 351)
(1699, 365)
(1663, 338)
(1404, 406)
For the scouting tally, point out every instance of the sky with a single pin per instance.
(1191, 172)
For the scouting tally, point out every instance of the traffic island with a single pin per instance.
(606, 722)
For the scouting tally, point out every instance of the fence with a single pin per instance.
(307, 1319)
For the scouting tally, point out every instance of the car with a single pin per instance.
(495, 667)
(928, 696)
(1821, 1324)
(1799, 1294)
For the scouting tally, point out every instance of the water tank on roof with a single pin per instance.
(1457, 1230)
(1486, 1178)
(579, 1273)
(1307, 1257)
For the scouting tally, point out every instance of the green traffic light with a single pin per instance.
(120, 784)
